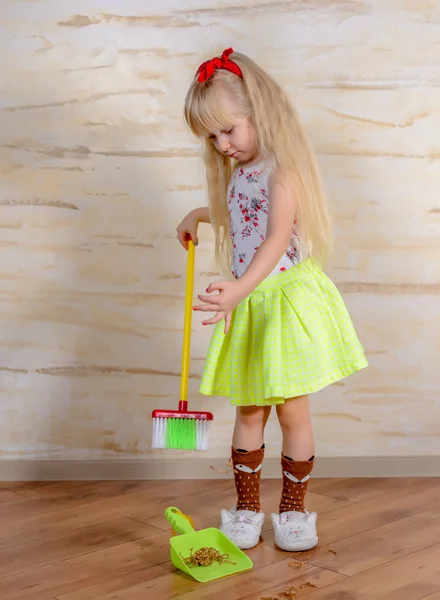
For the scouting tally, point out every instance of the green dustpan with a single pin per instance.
(191, 540)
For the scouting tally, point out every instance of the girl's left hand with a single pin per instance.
(230, 294)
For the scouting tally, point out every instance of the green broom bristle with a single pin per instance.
(181, 434)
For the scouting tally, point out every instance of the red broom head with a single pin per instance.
(182, 413)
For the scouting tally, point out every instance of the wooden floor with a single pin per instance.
(380, 539)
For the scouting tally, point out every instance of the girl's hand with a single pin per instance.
(187, 230)
(218, 317)
(230, 294)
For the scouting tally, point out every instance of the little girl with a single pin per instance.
(282, 329)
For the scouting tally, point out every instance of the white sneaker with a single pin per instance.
(243, 527)
(295, 531)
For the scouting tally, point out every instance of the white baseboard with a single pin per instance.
(97, 470)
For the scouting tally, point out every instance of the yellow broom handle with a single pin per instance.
(187, 322)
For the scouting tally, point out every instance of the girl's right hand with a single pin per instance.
(187, 230)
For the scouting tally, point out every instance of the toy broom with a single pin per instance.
(183, 429)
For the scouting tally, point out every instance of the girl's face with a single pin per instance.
(239, 141)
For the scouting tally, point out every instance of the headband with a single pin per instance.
(206, 69)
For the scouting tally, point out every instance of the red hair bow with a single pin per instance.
(206, 70)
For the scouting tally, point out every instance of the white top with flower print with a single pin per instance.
(248, 204)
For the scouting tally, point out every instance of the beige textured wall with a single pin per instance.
(97, 169)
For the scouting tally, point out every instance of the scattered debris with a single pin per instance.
(225, 471)
(330, 549)
(288, 594)
(206, 557)
(297, 564)
(220, 471)
(307, 584)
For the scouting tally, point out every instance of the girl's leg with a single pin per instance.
(243, 525)
(298, 452)
(296, 425)
(294, 527)
(250, 422)
(248, 454)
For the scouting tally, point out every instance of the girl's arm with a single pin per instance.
(280, 220)
(190, 224)
(281, 217)
(202, 214)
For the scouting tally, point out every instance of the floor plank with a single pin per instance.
(380, 545)
(412, 577)
(8, 496)
(249, 586)
(115, 506)
(317, 484)
(68, 496)
(173, 585)
(64, 546)
(60, 489)
(434, 596)
(73, 574)
(110, 541)
(302, 583)
(369, 514)
(22, 486)
(356, 490)
(139, 581)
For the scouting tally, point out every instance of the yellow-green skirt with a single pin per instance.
(292, 336)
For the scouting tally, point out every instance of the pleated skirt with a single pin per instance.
(291, 337)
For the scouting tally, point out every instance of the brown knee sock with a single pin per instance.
(296, 476)
(247, 472)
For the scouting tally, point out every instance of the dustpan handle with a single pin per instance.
(183, 404)
(178, 521)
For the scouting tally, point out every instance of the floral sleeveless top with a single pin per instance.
(248, 204)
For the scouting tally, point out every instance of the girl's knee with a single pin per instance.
(251, 416)
(294, 413)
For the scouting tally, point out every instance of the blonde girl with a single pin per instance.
(282, 329)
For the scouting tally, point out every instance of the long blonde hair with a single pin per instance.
(280, 138)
